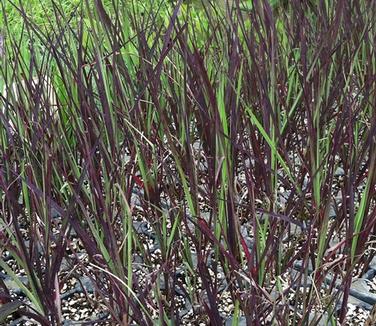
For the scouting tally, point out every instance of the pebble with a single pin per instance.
(339, 172)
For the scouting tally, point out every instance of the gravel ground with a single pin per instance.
(81, 305)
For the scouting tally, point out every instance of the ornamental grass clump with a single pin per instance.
(199, 163)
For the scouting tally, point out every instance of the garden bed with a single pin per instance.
(175, 163)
